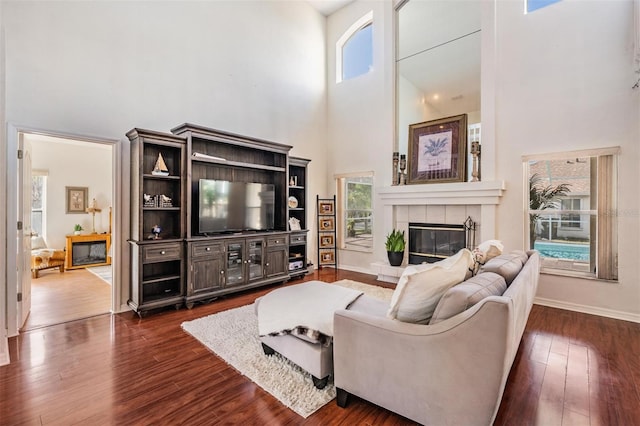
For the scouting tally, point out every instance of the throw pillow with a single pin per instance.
(421, 286)
(507, 265)
(38, 243)
(466, 294)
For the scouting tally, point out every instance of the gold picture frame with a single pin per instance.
(327, 257)
(326, 207)
(326, 223)
(76, 200)
(327, 241)
(438, 151)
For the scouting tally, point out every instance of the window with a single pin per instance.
(354, 50)
(572, 217)
(531, 5)
(355, 210)
(38, 198)
(572, 198)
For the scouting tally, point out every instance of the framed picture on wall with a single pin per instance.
(438, 151)
(76, 199)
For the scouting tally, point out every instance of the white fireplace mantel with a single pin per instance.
(485, 194)
(467, 193)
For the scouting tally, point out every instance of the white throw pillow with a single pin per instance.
(38, 243)
(421, 286)
(489, 249)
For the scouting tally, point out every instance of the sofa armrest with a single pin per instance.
(452, 372)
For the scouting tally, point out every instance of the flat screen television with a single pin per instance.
(235, 206)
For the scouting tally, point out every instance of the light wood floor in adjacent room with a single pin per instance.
(58, 298)
(571, 369)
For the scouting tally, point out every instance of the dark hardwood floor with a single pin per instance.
(571, 369)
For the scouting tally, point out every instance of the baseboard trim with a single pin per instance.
(586, 309)
(355, 269)
(4, 350)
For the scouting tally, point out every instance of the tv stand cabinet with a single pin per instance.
(171, 262)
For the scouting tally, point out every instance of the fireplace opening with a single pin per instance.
(431, 242)
(88, 253)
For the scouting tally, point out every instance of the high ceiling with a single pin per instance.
(327, 7)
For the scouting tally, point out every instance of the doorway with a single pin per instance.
(69, 163)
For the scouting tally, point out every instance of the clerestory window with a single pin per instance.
(354, 50)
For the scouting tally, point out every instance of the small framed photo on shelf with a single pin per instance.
(326, 223)
(327, 241)
(326, 207)
(438, 151)
(294, 224)
(76, 199)
(327, 257)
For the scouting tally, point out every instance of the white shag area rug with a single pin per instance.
(104, 272)
(233, 336)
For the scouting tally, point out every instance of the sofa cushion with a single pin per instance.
(507, 265)
(421, 286)
(466, 294)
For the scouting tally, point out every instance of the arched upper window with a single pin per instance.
(354, 50)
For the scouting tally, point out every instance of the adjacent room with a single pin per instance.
(320, 212)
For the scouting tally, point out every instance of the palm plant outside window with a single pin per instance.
(571, 212)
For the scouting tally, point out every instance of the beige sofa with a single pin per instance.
(451, 371)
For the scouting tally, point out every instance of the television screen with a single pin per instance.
(235, 206)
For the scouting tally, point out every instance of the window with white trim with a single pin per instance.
(532, 5)
(355, 211)
(354, 49)
(38, 201)
(571, 214)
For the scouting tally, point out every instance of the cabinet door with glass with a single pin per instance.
(235, 262)
(255, 268)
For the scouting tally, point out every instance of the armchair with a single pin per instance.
(43, 257)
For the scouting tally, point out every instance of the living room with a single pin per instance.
(265, 69)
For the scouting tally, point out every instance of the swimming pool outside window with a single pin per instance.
(571, 212)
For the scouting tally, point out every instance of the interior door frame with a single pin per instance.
(121, 223)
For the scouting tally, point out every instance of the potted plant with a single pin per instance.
(76, 229)
(395, 247)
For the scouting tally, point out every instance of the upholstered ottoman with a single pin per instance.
(297, 322)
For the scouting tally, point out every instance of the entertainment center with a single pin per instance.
(210, 215)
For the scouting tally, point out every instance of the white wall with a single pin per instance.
(564, 82)
(77, 164)
(553, 80)
(360, 130)
(98, 69)
(4, 349)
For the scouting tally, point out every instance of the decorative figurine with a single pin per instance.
(475, 153)
(402, 178)
(395, 168)
(160, 169)
(156, 230)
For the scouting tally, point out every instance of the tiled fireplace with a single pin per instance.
(445, 203)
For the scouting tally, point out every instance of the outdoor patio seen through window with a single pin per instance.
(356, 207)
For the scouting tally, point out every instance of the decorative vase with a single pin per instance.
(395, 257)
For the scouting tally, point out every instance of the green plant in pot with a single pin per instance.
(77, 228)
(395, 247)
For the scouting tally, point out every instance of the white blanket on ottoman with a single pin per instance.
(308, 305)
